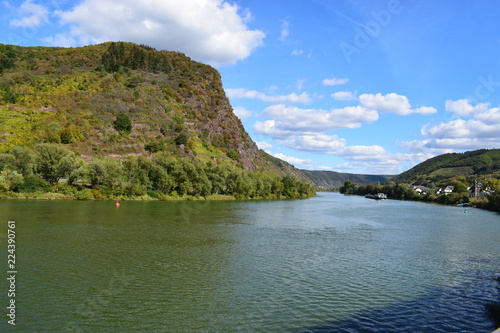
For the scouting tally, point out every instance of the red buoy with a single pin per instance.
(117, 204)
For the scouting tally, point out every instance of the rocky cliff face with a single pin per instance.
(74, 97)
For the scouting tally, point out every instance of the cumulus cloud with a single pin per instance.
(479, 129)
(306, 130)
(424, 147)
(334, 81)
(392, 103)
(212, 31)
(264, 145)
(304, 163)
(292, 118)
(463, 129)
(316, 143)
(377, 160)
(32, 15)
(463, 107)
(344, 96)
(303, 98)
(241, 112)
(490, 117)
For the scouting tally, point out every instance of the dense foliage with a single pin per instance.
(119, 99)
(483, 161)
(401, 191)
(26, 172)
(125, 120)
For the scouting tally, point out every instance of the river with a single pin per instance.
(332, 263)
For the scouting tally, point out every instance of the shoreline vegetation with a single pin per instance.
(401, 191)
(51, 171)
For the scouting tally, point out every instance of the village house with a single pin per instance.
(445, 190)
(420, 189)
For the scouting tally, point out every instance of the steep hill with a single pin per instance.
(332, 179)
(478, 162)
(118, 99)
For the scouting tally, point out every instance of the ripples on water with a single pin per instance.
(329, 264)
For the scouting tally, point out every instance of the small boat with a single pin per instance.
(378, 196)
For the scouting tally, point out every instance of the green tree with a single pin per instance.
(162, 181)
(123, 123)
(10, 179)
(106, 173)
(23, 159)
(54, 162)
(289, 187)
(349, 187)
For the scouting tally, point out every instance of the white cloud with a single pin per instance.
(362, 152)
(313, 139)
(482, 130)
(316, 143)
(334, 81)
(392, 103)
(292, 118)
(64, 40)
(241, 112)
(303, 98)
(297, 53)
(375, 159)
(344, 96)
(462, 143)
(264, 145)
(212, 31)
(424, 147)
(269, 128)
(462, 107)
(303, 163)
(490, 117)
(32, 15)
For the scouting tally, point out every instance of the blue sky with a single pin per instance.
(344, 85)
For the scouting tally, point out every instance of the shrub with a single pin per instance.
(33, 184)
(182, 139)
(123, 123)
(154, 147)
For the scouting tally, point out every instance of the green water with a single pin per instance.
(234, 266)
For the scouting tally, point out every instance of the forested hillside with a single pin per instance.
(472, 163)
(120, 119)
(458, 178)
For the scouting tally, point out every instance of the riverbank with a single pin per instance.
(62, 196)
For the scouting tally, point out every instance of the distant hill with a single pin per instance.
(332, 179)
(436, 169)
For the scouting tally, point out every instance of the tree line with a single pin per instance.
(46, 167)
(401, 191)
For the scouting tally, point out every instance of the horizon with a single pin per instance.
(352, 86)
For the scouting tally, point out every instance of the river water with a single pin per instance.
(332, 263)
